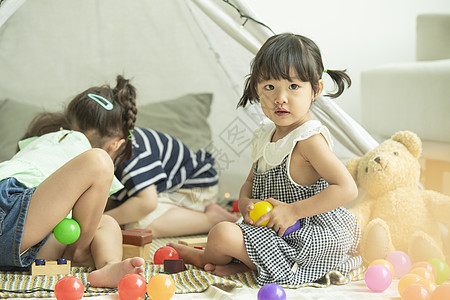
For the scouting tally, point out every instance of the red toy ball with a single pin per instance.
(163, 253)
(235, 207)
(69, 288)
(132, 287)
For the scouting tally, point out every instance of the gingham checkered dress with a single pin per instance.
(324, 242)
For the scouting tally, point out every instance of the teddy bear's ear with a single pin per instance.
(411, 141)
(352, 166)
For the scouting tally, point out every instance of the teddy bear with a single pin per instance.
(395, 213)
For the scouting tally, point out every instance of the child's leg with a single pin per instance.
(106, 249)
(198, 222)
(225, 242)
(82, 184)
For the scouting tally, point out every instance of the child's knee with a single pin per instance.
(99, 162)
(224, 233)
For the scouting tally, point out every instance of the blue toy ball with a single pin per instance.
(67, 231)
(271, 291)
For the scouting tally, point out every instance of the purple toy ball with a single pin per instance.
(271, 291)
(292, 228)
(378, 278)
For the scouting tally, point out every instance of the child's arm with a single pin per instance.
(313, 157)
(245, 197)
(342, 188)
(137, 207)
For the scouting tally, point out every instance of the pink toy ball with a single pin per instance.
(271, 291)
(69, 288)
(132, 287)
(378, 278)
(401, 263)
(163, 253)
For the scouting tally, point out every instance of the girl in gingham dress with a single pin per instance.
(296, 171)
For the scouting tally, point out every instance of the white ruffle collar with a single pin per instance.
(274, 152)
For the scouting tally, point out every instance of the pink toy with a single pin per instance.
(401, 263)
(378, 278)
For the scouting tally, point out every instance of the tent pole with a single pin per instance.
(229, 25)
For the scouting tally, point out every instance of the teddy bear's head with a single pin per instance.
(391, 165)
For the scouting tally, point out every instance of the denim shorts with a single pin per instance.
(14, 201)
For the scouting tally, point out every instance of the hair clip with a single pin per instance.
(106, 104)
(130, 136)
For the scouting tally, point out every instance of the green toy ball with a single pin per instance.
(67, 231)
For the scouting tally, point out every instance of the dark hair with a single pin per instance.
(282, 52)
(86, 115)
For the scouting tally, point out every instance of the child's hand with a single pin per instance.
(280, 217)
(245, 206)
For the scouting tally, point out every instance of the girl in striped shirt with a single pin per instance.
(169, 188)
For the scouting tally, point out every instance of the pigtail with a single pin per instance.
(125, 93)
(340, 79)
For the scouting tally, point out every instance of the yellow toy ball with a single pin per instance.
(260, 208)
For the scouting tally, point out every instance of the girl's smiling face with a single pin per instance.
(287, 102)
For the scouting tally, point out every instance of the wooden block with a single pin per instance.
(50, 268)
(137, 237)
(194, 242)
(173, 266)
(133, 250)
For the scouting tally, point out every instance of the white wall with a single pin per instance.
(352, 34)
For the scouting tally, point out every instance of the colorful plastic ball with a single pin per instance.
(161, 287)
(442, 292)
(69, 288)
(67, 231)
(163, 253)
(378, 278)
(407, 280)
(426, 265)
(132, 287)
(260, 208)
(442, 269)
(423, 272)
(235, 206)
(430, 285)
(271, 291)
(384, 263)
(401, 263)
(416, 291)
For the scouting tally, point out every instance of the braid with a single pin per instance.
(125, 93)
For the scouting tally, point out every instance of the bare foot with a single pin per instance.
(110, 275)
(189, 255)
(217, 214)
(225, 270)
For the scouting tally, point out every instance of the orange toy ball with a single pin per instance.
(442, 292)
(430, 285)
(427, 266)
(416, 291)
(424, 273)
(384, 263)
(161, 287)
(407, 280)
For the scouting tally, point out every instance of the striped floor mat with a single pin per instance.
(193, 280)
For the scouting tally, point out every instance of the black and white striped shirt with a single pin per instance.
(164, 161)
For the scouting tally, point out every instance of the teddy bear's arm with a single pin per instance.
(362, 211)
(439, 205)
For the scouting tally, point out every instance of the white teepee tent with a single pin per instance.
(52, 49)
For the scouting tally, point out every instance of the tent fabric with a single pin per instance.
(51, 50)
